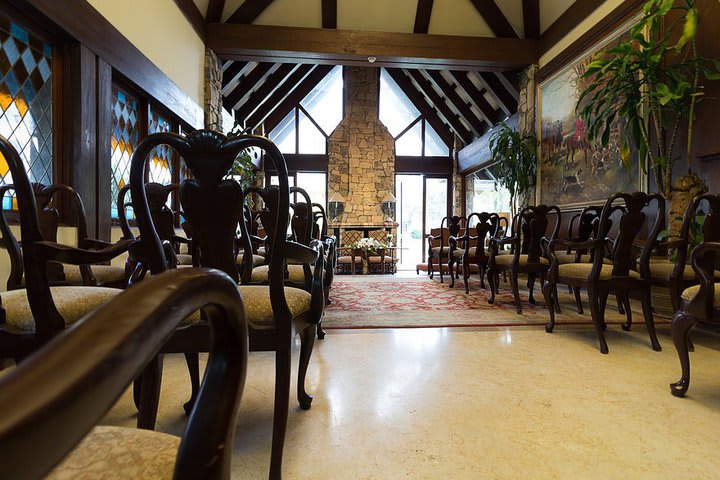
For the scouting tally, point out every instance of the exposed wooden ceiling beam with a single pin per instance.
(329, 13)
(441, 106)
(422, 105)
(264, 91)
(478, 125)
(280, 94)
(477, 97)
(531, 18)
(297, 95)
(246, 85)
(341, 47)
(248, 11)
(231, 72)
(495, 19)
(193, 15)
(508, 102)
(214, 11)
(576, 13)
(422, 16)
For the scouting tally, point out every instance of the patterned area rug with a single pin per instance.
(388, 302)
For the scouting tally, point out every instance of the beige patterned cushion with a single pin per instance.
(257, 259)
(116, 453)
(295, 274)
(581, 271)
(72, 302)
(523, 260)
(184, 259)
(258, 310)
(570, 258)
(689, 293)
(458, 253)
(102, 273)
(437, 249)
(378, 259)
(261, 251)
(348, 259)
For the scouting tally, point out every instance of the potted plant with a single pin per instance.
(516, 157)
(649, 86)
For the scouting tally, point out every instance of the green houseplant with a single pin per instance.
(516, 157)
(652, 82)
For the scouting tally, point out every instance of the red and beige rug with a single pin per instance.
(389, 302)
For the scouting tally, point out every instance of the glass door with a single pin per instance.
(409, 194)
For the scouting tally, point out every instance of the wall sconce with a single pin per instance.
(388, 207)
(336, 206)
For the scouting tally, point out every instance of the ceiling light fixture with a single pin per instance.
(371, 59)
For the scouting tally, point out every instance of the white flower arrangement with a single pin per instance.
(369, 244)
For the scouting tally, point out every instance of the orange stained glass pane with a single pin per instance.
(122, 183)
(5, 99)
(14, 203)
(21, 104)
(113, 143)
(4, 168)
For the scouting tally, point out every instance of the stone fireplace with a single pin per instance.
(361, 152)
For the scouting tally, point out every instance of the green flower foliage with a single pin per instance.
(516, 157)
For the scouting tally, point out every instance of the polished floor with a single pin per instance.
(478, 403)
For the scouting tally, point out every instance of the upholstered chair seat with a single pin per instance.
(258, 309)
(378, 259)
(72, 303)
(663, 270)
(120, 453)
(261, 251)
(458, 253)
(102, 273)
(581, 271)
(296, 274)
(689, 293)
(500, 252)
(257, 259)
(523, 260)
(184, 259)
(347, 259)
(564, 258)
(437, 249)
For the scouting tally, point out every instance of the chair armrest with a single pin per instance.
(703, 308)
(503, 241)
(587, 244)
(64, 408)
(300, 253)
(51, 251)
(94, 244)
(179, 239)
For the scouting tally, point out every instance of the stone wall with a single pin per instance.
(213, 97)
(527, 114)
(361, 151)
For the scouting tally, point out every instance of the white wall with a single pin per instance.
(161, 32)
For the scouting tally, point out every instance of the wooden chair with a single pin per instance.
(384, 259)
(349, 257)
(677, 276)
(32, 316)
(600, 278)
(700, 304)
(439, 243)
(329, 241)
(59, 423)
(527, 253)
(214, 206)
(469, 249)
(49, 221)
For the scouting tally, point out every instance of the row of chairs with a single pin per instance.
(277, 303)
(351, 259)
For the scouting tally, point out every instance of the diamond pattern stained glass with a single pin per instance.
(123, 141)
(25, 102)
(160, 165)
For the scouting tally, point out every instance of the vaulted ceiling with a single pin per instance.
(464, 98)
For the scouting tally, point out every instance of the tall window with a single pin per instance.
(483, 194)
(160, 165)
(305, 129)
(414, 136)
(26, 102)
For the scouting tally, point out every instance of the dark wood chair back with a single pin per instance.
(486, 227)
(710, 205)
(122, 206)
(533, 223)
(302, 217)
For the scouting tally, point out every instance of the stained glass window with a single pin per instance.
(26, 102)
(123, 141)
(160, 164)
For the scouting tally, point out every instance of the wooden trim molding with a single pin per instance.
(621, 14)
(571, 18)
(193, 15)
(80, 20)
(424, 165)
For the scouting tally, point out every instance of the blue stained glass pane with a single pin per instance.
(29, 91)
(11, 51)
(28, 60)
(7, 203)
(18, 32)
(12, 83)
(47, 50)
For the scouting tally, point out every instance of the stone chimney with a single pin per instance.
(361, 151)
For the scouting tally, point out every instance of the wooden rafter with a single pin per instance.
(440, 105)
(576, 13)
(495, 19)
(425, 109)
(463, 83)
(264, 91)
(478, 125)
(422, 16)
(531, 18)
(329, 13)
(231, 72)
(214, 11)
(281, 93)
(297, 95)
(508, 102)
(246, 85)
(193, 15)
(249, 11)
(333, 46)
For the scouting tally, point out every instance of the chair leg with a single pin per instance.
(193, 364)
(482, 268)
(516, 291)
(649, 319)
(440, 265)
(681, 325)
(451, 263)
(491, 274)
(307, 340)
(431, 273)
(548, 289)
(557, 300)
(282, 405)
(602, 306)
(466, 275)
(531, 287)
(625, 298)
(578, 300)
(620, 302)
(594, 298)
(320, 331)
(151, 378)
